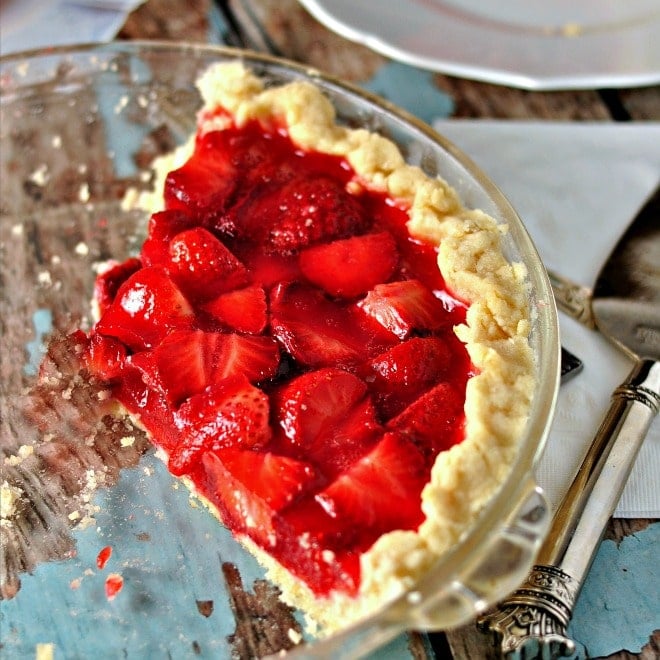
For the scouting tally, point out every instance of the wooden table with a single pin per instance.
(135, 529)
(300, 37)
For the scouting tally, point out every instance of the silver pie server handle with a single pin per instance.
(532, 622)
(573, 299)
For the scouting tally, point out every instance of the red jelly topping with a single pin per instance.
(103, 557)
(114, 583)
(290, 347)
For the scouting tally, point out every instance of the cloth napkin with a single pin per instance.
(27, 24)
(576, 188)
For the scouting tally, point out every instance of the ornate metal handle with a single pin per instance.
(532, 622)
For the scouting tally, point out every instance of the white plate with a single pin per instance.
(532, 44)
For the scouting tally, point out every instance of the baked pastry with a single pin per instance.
(322, 342)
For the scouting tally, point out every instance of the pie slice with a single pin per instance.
(322, 342)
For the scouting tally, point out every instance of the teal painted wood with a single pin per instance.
(412, 89)
(619, 606)
(169, 549)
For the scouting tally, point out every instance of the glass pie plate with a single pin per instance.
(78, 127)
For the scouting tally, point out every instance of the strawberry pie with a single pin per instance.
(321, 341)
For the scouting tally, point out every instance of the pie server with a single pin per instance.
(625, 306)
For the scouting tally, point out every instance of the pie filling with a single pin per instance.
(289, 347)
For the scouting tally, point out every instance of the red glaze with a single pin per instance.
(103, 556)
(290, 347)
(114, 583)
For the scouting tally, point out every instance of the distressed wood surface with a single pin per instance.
(298, 36)
(43, 460)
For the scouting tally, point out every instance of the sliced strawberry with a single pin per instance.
(108, 282)
(270, 269)
(298, 213)
(350, 267)
(252, 486)
(243, 309)
(345, 441)
(231, 413)
(259, 155)
(404, 306)
(147, 307)
(317, 331)
(321, 550)
(402, 373)
(315, 400)
(163, 226)
(382, 490)
(204, 184)
(187, 361)
(148, 406)
(293, 528)
(105, 357)
(202, 266)
(326, 416)
(434, 421)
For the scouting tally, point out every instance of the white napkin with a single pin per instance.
(576, 188)
(27, 24)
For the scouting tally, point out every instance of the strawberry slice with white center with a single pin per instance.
(404, 306)
(253, 486)
(187, 361)
(231, 413)
(244, 310)
(147, 307)
(328, 417)
(108, 282)
(382, 490)
(434, 421)
(317, 331)
(163, 227)
(350, 267)
(313, 401)
(202, 266)
(402, 373)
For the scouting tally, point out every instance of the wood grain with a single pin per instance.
(301, 38)
(264, 624)
(181, 20)
(58, 440)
